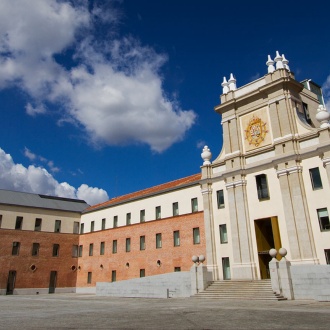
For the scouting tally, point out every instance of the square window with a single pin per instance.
(128, 245)
(142, 272)
(142, 243)
(15, 249)
(92, 226)
(223, 234)
(158, 241)
(19, 222)
(323, 219)
(74, 251)
(91, 247)
(89, 277)
(220, 199)
(57, 228)
(102, 248)
(35, 249)
(196, 236)
(262, 187)
(158, 212)
(194, 205)
(115, 221)
(327, 256)
(76, 227)
(315, 178)
(37, 224)
(176, 238)
(56, 250)
(103, 223)
(128, 219)
(142, 215)
(82, 228)
(113, 276)
(175, 207)
(80, 251)
(114, 246)
(177, 269)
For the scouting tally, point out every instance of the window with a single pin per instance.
(92, 226)
(0, 220)
(102, 248)
(223, 234)
(74, 251)
(220, 199)
(15, 249)
(142, 215)
(80, 251)
(158, 241)
(19, 222)
(315, 178)
(177, 269)
(306, 113)
(56, 250)
(37, 224)
(114, 246)
(82, 227)
(158, 212)
(115, 221)
(142, 243)
(113, 276)
(327, 256)
(196, 236)
(76, 227)
(142, 272)
(128, 219)
(89, 277)
(194, 205)
(262, 187)
(57, 228)
(103, 223)
(91, 247)
(323, 219)
(128, 245)
(175, 208)
(35, 249)
(176, 238)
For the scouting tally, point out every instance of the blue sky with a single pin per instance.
(103, 98)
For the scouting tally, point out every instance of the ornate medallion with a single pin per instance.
(256, 131)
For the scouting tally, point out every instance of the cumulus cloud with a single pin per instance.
(37, 158)
(38, 180)
(112, 89)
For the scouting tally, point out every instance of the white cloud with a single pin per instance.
(326, 93)
(38, 180)
(29, 154)
(34, 157)
(114, 88)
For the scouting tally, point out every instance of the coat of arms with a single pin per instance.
(256, 131)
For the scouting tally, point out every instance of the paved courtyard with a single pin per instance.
(76, 311)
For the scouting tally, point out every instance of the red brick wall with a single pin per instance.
(169, 255)
(45, 262)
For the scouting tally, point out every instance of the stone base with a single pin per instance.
(244, 272)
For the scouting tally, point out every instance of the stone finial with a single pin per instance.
(282, 252)
(201, 258)
(273, 253)
(278, 60)
(225, 88)
(270, 64)
(322, 116)
(206, 155)
(232, 83)
(285, 63)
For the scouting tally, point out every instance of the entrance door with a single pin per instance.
(268, 237)
(226, 268)
(11, 282)
(52, 281)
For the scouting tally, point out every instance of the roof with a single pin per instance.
(17, 198)
(156, 190)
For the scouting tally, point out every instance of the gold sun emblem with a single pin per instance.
(256, 131)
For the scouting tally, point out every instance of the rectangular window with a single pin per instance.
(89, 277)
(15, 249)
(57, 228)
(103, 223)
(113, 276)
(158, 241)
(19, 222)
(82, 228)
(128, 219)
(142, 243)
(175, 208)
(0, 220)
(91, 247)
(128, 245)
(76, 227)
(176, 238)
(35, 249)
(80, 251)
(158, 212)
(142, 272)
(142, 215)
(196, 236)
(114, 246)
(37, 224)
(102, 248)
(223, 234)
(177, 269)
(323, 219)
(115, 221)
(92, 226)
(262, 186)
(74, 251)
(194, 205)
(56, 250)
(327, 256)
(315, 178)
(220, 199)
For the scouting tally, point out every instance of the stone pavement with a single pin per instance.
(77, 311)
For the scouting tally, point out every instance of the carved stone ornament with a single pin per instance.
(256, 131)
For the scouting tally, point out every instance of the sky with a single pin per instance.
(103, 98)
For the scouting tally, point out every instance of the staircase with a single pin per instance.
(243, 290)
